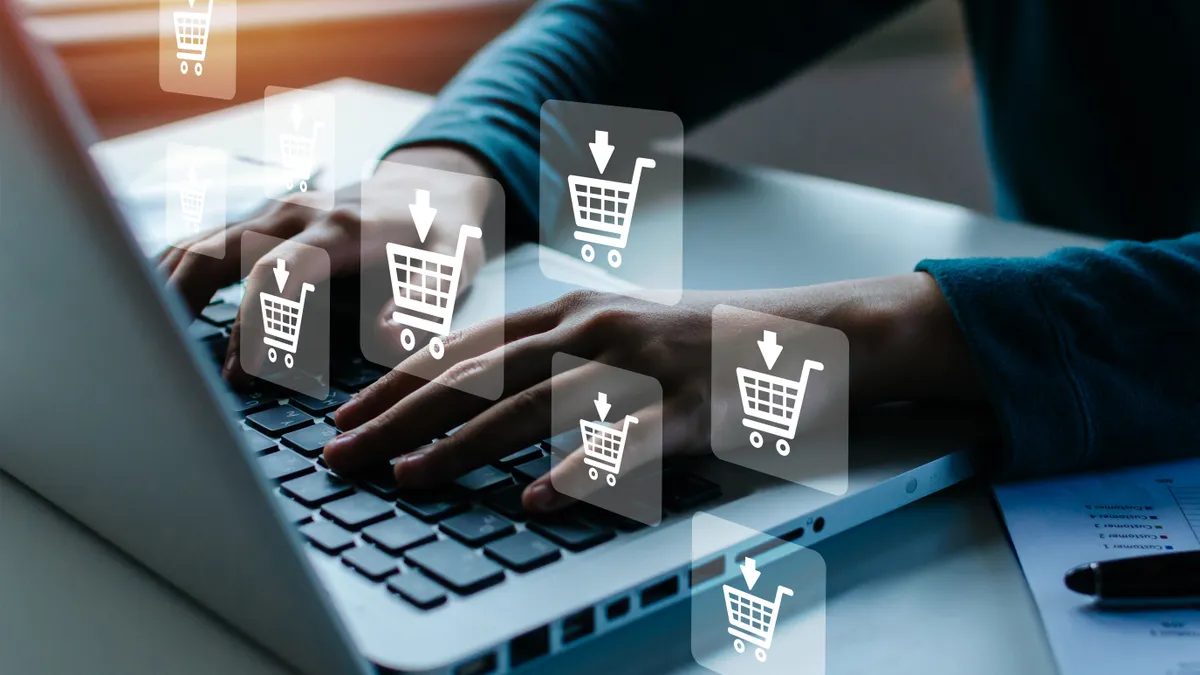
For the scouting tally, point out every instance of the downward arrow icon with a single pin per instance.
(192, 3)
(281, 274)
(601, 150)
(422, 214)
(769, 348)
(602, 405)
(750, 573)
(297, 115)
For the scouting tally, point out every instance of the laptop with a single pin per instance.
(124, 423)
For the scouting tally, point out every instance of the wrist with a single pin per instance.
(442, 157)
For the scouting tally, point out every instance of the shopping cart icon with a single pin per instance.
(191, 38)
(603, 447)
(298, 155)
(772, 404)
(191, 202)
(281, 323)
(752, 619)
(603, 209)
(424, 287)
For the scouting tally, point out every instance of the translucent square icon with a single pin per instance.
(197, 47)
(613, 197)
(781, 397)
(607, 443)
(423, 278)
(284, 327)
(298, 146)
(757, 602)
(194, 199)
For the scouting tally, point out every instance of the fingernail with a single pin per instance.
(406, 465)
(543, 497)
(230, 362)
(340, 442)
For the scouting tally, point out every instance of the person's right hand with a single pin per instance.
(191, 268)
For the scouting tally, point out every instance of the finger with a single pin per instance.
(516, 422)
(641, 458)
(439, 405)
(463, 360)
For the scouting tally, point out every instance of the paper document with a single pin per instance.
(1059, 524)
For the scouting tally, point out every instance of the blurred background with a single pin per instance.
(893, 110)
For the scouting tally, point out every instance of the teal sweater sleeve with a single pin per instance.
(1091, 358)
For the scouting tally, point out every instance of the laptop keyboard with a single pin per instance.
(426, 547)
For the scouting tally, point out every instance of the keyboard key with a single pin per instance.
(331, 421)
(683, 491)
(358, 510)
(320, 406)
(246, 402)
(523, 551)
(399, 534)
(201, 331)
(606, 518)
(507, 502)
(571, 533)
(310, 441)
(533, 470)
(276, 422)
(432, 505)
(219, 314)
(284, 465)
(477, 527)
(355, 375)
(484, 478)
(292, 512)
(371, 562)
(256, 443)
(417, 589)
(327, 536)
(317, 488)
(381, 483)
(520, 457)
(457, 567)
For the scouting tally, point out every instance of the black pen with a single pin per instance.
(1166, 580)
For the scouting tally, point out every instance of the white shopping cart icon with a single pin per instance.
(603, 447)
(424, 287)
(298, 155)
(191, 202)
(603, 209)
(752, 619)
(281, 323)
(772, 404)
(191, 38)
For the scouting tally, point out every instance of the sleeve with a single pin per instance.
(694, 58)
(1091, 358)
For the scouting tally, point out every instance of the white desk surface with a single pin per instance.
(930, 589)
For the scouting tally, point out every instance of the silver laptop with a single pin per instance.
(123, 422)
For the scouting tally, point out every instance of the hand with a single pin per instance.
(905, 345)
(341, 232)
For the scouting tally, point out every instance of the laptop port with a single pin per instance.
(527, 647)
(793, 535)
(708, 571)
(660, 591)
(755, 551)
(818, 525)
(617, 609)
(578, 625)
(481, 666)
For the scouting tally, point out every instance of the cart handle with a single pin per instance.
(781, 591)
(641, 163)
(306, 288)
(628, 420)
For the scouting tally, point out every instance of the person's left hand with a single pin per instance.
(895, 325)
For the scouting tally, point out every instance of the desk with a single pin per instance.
(947, 598)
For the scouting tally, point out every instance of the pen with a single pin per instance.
(1169, 579)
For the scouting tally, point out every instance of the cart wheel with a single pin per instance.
(611, 480)
(739, 646)
(756, 439)
(199, 69)
(271, 355)
(592, 473)
(437, 348)
(614, 258)
(183, 67)
(761, 655)
(588, 253)
(304, 186)
(290, 184)
(782, 447)
(407, 339)
(288, 360)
